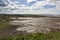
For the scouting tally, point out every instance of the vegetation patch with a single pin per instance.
(36, 36)
(3, 25)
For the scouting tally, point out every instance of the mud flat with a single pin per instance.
(37, 25)
(31, 25)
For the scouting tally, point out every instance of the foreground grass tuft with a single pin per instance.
(37, 36)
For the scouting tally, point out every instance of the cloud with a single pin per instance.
(17, 2)
(44, 7)
(28, 1)
(49, 6)
(39, 7)
(10, 8)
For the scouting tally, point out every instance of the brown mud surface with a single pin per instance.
(32, 25)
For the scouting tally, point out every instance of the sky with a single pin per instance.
(30, 7)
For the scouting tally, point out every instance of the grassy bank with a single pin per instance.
(4, 21)
(37, 36)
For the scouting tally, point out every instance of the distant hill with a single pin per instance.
(31, 15)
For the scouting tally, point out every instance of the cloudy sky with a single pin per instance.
(30, 7)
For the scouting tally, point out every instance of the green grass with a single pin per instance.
(36, 36)
(3, 25)
(4, 21)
